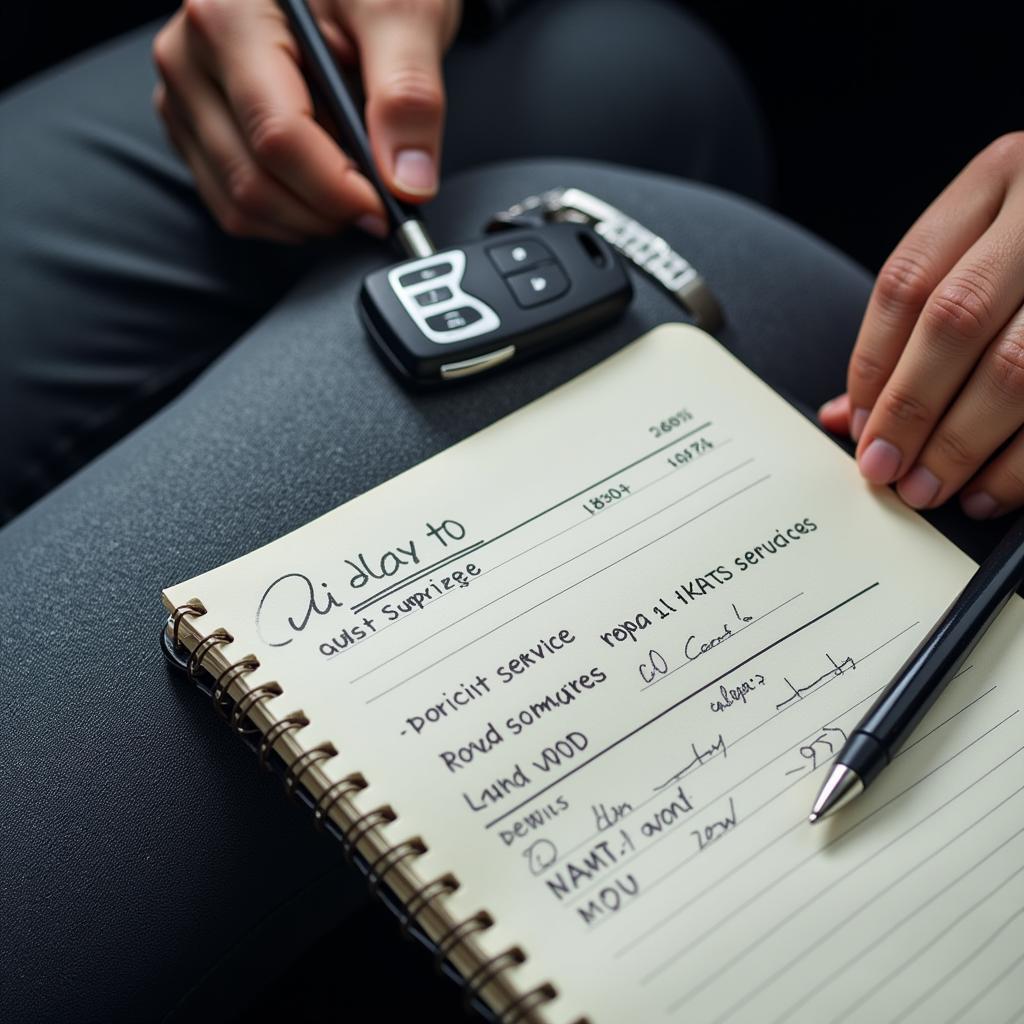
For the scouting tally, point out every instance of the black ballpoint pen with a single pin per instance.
(924, 675)
(407, 229)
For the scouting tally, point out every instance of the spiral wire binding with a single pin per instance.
(195, 659)
(347, 786)
(458, 933)
(243, 709)
(488, 971)
(393, 856)
(364, 825)
(294, 772)
(195, 607)
(290, 723)
(527, 1003)
(223, 682)
(424, 896)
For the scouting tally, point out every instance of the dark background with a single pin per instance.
(871, 111)
(872, 108)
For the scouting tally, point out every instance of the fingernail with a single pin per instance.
(415, 171)
(373, 225)
(880, 461)
(829, 405)
(980, 505)
(857, 421)
(919, 487)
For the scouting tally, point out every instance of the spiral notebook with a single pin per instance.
(568, 690)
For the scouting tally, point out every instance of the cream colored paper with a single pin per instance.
(637, 618)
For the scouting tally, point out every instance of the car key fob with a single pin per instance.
(468, 309)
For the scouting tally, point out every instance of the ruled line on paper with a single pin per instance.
(903, 965)
(585, 579)
(708, 979)
(802, 824)
(825, 981)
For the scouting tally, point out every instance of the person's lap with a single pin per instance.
(135, 817)
(153, 866)
(150, 862)
(119, 288)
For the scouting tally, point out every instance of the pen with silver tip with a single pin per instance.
(924, 675)
(407, 229)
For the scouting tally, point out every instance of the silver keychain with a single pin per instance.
(648, 251)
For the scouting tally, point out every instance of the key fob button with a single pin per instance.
(515, 256)
(461, 311)
(453, 319)
(433, 296)
(416, 277)
(544, 282)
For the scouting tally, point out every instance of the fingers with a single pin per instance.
(988, 411)
(254, 61)
(208, 181)
(968, 308)
(936, 381)
(238, 108)
(400, 49)
(909, 277)
(1000, 487)
(244, 199)
(243, 118)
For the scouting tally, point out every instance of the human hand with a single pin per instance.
(237, 108)
(935, 385)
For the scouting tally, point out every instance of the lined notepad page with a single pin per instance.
(599, 657)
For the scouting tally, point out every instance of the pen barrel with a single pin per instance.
(337, 97)
(939, 656)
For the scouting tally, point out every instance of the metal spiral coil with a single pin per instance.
(315, 755)
(238, 715)
(527, 1003)
(218, 637)
(223, 682)
(476, 982)
(329, 797)
(192, 608)
(290, 723)
(424, 896)
(391, 858)
(458, 933)
(257, 695)
(364, 825)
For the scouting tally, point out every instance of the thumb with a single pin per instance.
(401, 61)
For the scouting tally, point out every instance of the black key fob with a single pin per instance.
(469, 309)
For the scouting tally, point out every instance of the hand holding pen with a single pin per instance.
(235, 103)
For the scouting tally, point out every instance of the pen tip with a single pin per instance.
(842, 785)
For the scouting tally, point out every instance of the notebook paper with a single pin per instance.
(599, 657)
